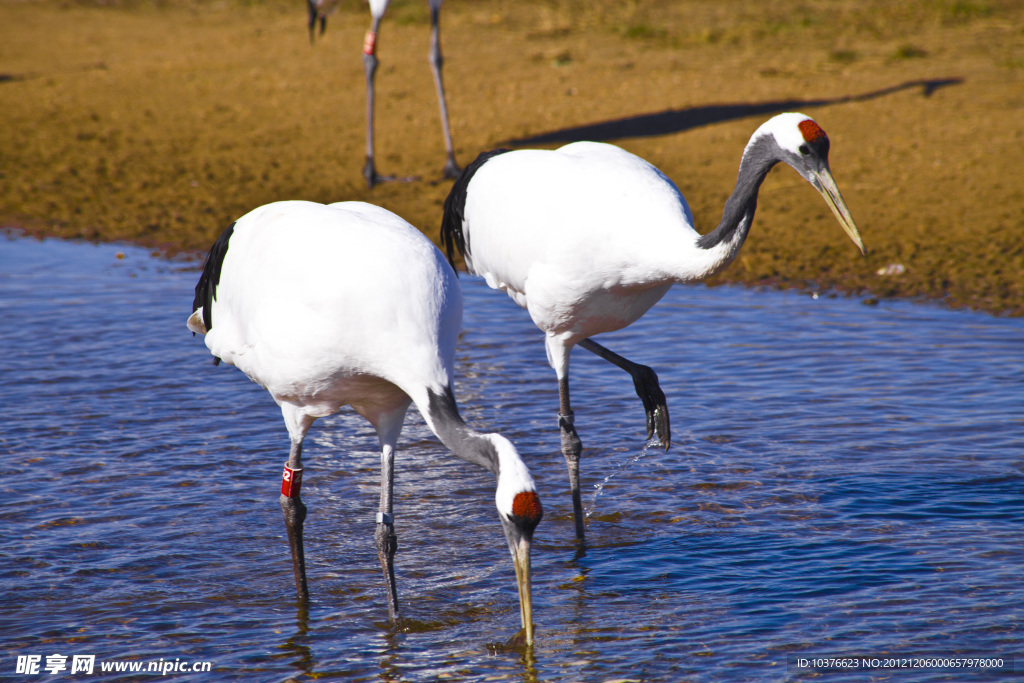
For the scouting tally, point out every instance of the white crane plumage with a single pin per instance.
(347, 304)
(588, 237)
(319, 11)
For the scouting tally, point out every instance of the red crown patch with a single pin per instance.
(527, 505)
(811, 131)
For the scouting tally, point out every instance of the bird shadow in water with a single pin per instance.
(679, 120)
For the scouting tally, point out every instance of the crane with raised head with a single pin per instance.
(348, 304)
(588, 237)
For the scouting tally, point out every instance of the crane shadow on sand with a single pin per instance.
(679, 120)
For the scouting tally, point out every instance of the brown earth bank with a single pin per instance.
(160, 123)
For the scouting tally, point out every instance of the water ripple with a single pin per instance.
(844, 480)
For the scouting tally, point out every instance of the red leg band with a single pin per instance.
(370, 43)
(291, 481)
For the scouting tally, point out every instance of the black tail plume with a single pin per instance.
(452, 236)
(206, 288)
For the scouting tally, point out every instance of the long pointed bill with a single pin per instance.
(521, 559)
(825, 184)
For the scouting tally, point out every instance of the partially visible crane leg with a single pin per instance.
(311, 6)
(370, 64)
(298, 424)
(387, 540)
(645, 381)
(451, 169)
(294, 516)
(572, 447)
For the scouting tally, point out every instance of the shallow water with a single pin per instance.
(844, 481)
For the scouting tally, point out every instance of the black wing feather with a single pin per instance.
(452, 236)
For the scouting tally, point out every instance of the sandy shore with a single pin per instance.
(161, 124)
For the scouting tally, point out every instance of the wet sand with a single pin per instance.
(160, 124)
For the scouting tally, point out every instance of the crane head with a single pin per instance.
(804, 145)
(518, 526)
(520, 511)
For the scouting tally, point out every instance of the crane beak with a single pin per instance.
(519, 543)
(824, 183)
(524, 578)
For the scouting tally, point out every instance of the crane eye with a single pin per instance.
(805, 150)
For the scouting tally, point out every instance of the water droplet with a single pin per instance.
(599, 488)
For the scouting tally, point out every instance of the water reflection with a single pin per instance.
(843, 480)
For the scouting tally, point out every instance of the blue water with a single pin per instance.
(845, 481)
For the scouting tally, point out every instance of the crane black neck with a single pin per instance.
(738, 215)
(454, 433)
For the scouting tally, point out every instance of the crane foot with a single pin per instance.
(645, 381)
(374, 178)
(451, 170)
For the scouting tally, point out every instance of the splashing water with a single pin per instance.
(599, 488)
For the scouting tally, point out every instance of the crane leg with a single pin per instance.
(387, 540)
(571, 449)
(645, 381)
(311, 6)
(294, 516)
(370, 63)
(451, 169)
